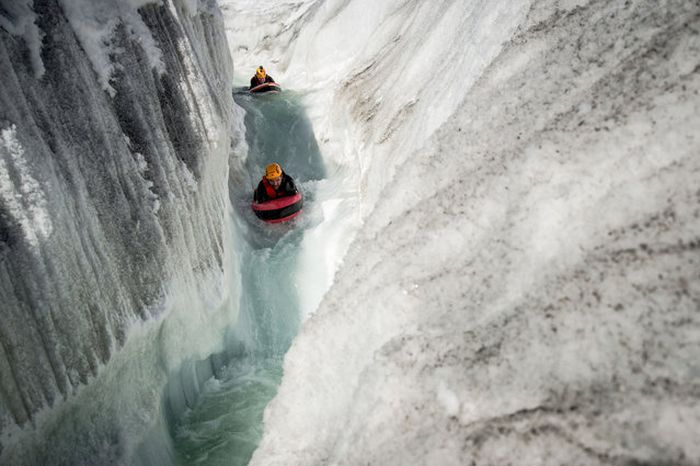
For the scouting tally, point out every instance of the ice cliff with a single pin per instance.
(115, 132)
(525, 286)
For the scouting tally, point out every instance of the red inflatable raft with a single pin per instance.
(279, 210)
(272, 88)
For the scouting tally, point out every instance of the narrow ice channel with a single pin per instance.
(225, 424)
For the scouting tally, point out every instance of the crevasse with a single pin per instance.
(522, 283)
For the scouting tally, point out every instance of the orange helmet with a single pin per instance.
(273, 171)
(260, 72)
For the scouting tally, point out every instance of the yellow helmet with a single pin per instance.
(273, 171)
(260, 72)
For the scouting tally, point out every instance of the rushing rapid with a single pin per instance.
(225, 424)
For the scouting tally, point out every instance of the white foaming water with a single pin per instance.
(323, 247)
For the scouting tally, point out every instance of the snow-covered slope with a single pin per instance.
(525, 287)
(115, 133)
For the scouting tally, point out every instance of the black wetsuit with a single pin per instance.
(254, 82)
(286, 188)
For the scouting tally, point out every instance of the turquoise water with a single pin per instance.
(225, 424)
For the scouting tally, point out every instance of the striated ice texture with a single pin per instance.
(115, 262)
(525, 286)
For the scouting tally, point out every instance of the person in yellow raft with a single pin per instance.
(275, 184)
(261, 77)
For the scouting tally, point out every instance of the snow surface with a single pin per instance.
(524, 288)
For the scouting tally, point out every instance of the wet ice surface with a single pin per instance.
(526, 289)
(114, 237)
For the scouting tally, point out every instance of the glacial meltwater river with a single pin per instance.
(224, 425)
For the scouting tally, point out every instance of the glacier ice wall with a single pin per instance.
(115, 132)
(525, 285)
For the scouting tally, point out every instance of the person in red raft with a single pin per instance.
(275, 184)
(261, 77)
